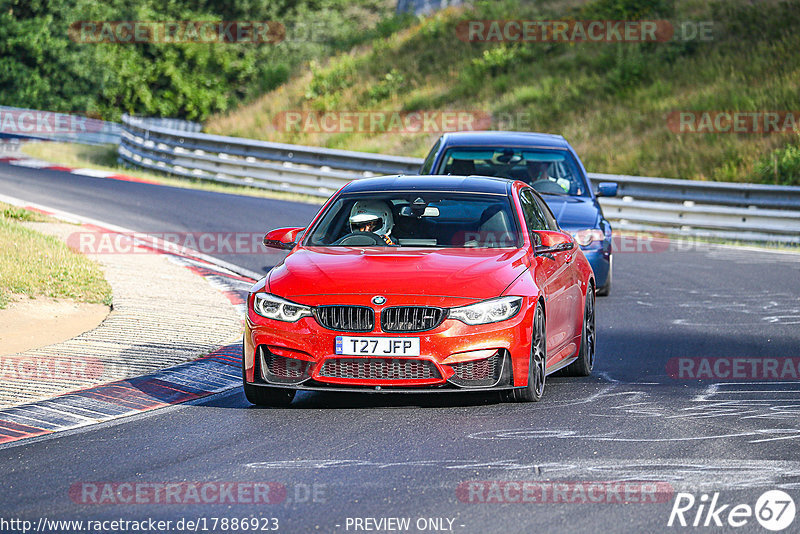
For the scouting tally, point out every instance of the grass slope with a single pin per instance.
(35, 264)
(611, 100)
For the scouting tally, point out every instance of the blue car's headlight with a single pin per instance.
(488, 311)
(586, 237)
(273, 307)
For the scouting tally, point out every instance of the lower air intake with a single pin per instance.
(379, 369)
(281, 370)
(478, 373)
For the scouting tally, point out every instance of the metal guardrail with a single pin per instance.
(276, 166)
(717, 193)
(748, 212)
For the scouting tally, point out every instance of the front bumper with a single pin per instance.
(598, 254)
(453, 356)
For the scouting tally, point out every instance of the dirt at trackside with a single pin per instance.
(29, 323)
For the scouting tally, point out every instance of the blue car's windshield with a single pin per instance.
(551, 171)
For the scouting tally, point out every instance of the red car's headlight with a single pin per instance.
(273, 307)
(488, 311)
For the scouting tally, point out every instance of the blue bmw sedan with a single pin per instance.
(550, 165)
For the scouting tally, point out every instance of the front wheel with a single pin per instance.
(585, 363)
(267, 396)
(537, 367)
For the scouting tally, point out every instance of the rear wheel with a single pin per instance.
(537, 367)
(585, 363)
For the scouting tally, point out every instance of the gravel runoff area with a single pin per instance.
(163, 314)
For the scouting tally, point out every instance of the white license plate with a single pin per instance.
(377, 346)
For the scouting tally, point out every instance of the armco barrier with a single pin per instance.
(749, 212)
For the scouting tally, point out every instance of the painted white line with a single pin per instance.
(94, 173)
(32, 163)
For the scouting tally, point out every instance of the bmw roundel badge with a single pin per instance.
(378, 300)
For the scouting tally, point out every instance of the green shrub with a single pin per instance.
(42, 68)
(782, 166)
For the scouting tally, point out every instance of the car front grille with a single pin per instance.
(411, 318)
(281, 370)
(478, 373)
(379, 369)
(346, 318)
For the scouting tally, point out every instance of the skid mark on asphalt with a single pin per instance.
(745, 256)
(697, 474)
(771, 408)
(757, 308)
(758, 436)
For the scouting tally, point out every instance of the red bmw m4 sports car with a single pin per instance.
(421, 284)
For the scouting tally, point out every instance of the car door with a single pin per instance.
(574, 307)
(553, 277)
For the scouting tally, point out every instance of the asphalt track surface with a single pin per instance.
(379, 456)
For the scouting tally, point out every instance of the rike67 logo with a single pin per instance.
(774, 510)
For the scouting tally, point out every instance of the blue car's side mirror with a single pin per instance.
(607, 189)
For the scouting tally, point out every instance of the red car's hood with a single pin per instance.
(459, 273)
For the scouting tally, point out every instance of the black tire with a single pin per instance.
(265, 395)
(537, 367)
(585, 363)
(606, 289)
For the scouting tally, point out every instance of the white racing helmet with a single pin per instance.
(366, 211)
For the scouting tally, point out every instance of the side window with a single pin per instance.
(427, 166)
(552, 224)
(534, 218)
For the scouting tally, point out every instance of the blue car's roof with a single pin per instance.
(500, 138)
(462, 184)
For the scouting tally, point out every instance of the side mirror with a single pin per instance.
(283, 238)
(553, 242)
(607, 189)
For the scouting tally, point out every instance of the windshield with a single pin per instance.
(551, 171)
(418, 219)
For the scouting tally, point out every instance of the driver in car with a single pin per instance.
(373, 217)
(537, 170)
